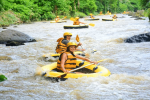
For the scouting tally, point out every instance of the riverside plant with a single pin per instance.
(7, 18)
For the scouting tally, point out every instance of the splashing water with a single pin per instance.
(129, 63)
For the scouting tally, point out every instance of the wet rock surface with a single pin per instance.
(14, 38)
(138, 38)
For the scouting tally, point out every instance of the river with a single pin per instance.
(129, 63)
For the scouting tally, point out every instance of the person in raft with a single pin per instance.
(62, 43)
(114, 17)
(67, 60)
(77, 22)
(91, 16)
(57, 19)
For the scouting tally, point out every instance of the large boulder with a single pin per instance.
(138, 38)
(14, 38)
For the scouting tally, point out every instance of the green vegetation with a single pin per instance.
(7, 18)
(146, 6)
(12, 11)
(2, 78)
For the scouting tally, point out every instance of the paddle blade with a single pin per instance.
(65, 17)
(77, 38)
(91, 24)
(72, 19)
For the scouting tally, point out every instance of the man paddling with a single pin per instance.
(77, 22)
(62, 43)
(91, 16)
(115, 16)
(57, 19)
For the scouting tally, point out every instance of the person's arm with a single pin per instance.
(83, 58)
(82, 23)
(62, 63)
(80, 49)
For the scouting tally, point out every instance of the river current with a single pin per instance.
(129, 63)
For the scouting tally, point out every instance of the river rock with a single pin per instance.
(14, 38)
(138, 38)
(139, 18)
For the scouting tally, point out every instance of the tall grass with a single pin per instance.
(147, 13)
(7, 18)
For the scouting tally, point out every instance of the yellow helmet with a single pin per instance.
(76, 18)
(90, 14)
(71, 43)
(57, 16)
(67, 33)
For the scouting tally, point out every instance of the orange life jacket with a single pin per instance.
(92, 16)
(76, 23)
(57, 19)
(70, 62)
(60, 46)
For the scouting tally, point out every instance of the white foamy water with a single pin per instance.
(129, 64)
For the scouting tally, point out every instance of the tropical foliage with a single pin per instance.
(34, 10)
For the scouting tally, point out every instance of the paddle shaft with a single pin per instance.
(83, 67)
(82, 48)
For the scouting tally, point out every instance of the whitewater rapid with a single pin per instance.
(129, 63)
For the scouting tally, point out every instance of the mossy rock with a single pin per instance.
(2, 78)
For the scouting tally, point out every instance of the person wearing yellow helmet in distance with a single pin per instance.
(77, 22)
(62, 43)
(114, 17)
(91, 16)
(57, 19)
(67, 60)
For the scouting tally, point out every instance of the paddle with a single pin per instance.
(91, 24)
(81, 67)
(65, 17)
(78, 40)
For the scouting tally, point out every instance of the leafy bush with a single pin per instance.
(80, 14)
(7, 18)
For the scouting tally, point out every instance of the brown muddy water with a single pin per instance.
(129, 64)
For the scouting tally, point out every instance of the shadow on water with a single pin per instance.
(138, 38)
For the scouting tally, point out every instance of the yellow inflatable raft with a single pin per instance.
(61, 21)
(106, 19)
(75, 26)
(54, 57)
(91, 19)
(94, 71)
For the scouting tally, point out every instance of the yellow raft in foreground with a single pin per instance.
(96, 71)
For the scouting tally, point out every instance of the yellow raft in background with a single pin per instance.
(61, 21)
(97, 71)
(107, 19)
(75, 26)
(91, 19)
